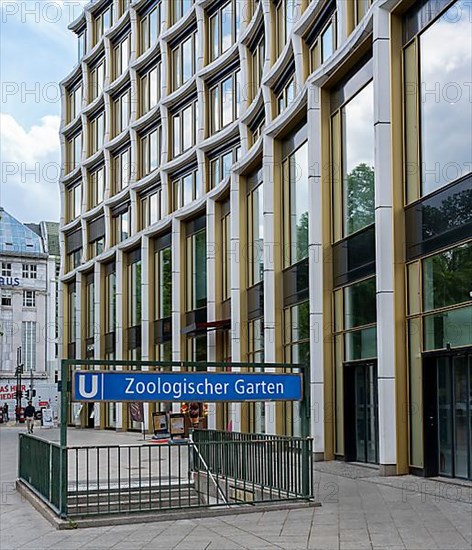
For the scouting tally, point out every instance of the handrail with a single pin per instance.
(212, 477)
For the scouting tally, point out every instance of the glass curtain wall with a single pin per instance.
(438, 107)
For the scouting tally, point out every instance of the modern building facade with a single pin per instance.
(280, 180)
(30, 267)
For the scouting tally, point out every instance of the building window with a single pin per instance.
(150, 146)
(324, 44)
(256, 126)
(72, 312)
(90, 307)
(74, 152)
(151, 208)
(7, 298)
(134, 294)
(180, 8)
(122, 223)
(121, 55)
(296, 350)
(255, 235)
(74, 259)
(226, 254)
(75, 102)
(360, 9)
(123, 5)
(81, 45)
(30, 271)
(186, 189)
(285, 96)
(103, 22)
(224, 28)
(122, 169)
(447, 278)
(220, 166)
(121, 111)
(184, 61)
(286, 14)
(96, 247)
(28, 345)
(6, 269)
(225, 102)
(253, 5)
(150, 26)
(439, 289)
(150, 88)
(255, 354)
(257, 66)
(110, 307)
(184, 129)
(97, 133)
(96, 186)
(295, 206)
(97, 80)
(437, 104)
(74, 200)
(163, 270)
(29, 298)
(356, 317)
(354, 194)
(196, 286)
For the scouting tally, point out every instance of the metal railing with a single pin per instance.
(281, 467)
(209, 470)
(39, 468)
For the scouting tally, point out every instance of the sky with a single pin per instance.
(36, 52)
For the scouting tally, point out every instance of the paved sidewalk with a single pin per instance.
(360, 510)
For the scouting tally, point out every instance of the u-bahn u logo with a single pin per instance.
(93, 381)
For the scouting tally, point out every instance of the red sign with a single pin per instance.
(43, 403)
(8, 391)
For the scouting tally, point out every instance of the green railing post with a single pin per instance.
(63, 439)
(307, 456)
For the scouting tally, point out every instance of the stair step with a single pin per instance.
(125, 496)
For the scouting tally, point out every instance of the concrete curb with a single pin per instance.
(152, 517)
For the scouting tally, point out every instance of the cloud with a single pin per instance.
(30, 168)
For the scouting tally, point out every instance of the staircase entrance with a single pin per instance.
(209, 469)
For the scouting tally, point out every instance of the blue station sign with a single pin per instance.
(185, 386)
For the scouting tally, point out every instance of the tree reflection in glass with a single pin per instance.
(358, 160)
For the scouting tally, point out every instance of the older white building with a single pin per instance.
(29, 263)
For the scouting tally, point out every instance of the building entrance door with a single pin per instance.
(361, 412)
(454, 405)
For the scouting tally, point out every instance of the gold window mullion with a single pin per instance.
(412, 122)
(337, 177)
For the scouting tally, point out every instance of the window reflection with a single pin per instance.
(445, 92)
(358, 160)
(296, 206)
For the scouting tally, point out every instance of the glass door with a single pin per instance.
(455, 416)
(366, 413)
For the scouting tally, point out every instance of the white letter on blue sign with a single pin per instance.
(128, 387)
(83, 392)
